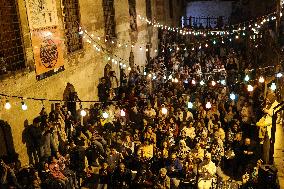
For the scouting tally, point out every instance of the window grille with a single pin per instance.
(71, 20)
(109, 15)
(132, 13)
(171, 8)
(149, 10)
(11, 47)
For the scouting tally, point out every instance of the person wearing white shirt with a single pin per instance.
(207, 170)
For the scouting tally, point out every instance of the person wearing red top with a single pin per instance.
(56, 173)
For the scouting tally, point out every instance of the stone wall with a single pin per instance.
(82, 69)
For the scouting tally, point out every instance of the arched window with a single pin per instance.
(109, 15)
(171, 8)
(132, 14)
(149, 9)
(11, 47)
(71, 20)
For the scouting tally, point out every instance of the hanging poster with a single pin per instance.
(47, 40)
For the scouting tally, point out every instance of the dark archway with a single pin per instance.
(7, 149)
(107, 70)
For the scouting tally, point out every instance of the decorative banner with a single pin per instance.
(46, 37)
(47, 48)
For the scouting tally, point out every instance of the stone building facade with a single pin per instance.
(83, 66)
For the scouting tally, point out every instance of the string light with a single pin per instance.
(193, 82)
(190, 105)
(223, 82)
(261, 79)
(24, 106)
(250, 88)
(83, 113)
(7, 105)
(213, 83)
(105, 115)
(273, 86)
(208, 105)
(232, 96)
(279, 75)
(202, 82)
(247, 78)
(122, 113)
(164, 110)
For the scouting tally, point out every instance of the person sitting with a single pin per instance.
(163, 181)
(121, 177)
(56, 174)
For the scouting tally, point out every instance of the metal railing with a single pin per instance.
(278, 110)
(202, 22)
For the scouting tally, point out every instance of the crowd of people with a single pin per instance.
(168, 125)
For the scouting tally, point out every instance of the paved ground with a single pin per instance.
(279, 154)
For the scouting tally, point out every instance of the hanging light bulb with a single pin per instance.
(213, 83)
(193, 82)
(261, 79)
(129, 68)
(273, 86)
(206, 45)
(170, 77)
(7, 105)
(145, 73)
(164, 110)
(24, 106)
(247, 78)
(223, 82)
(250, 88)
(83, 113)
(214, 42)
(190, 105)
(232, 96)
(150, 75)
(176, 80)
(202, 82)
(208, 105)
(122, 113)
(279, 75)
(105, 115)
